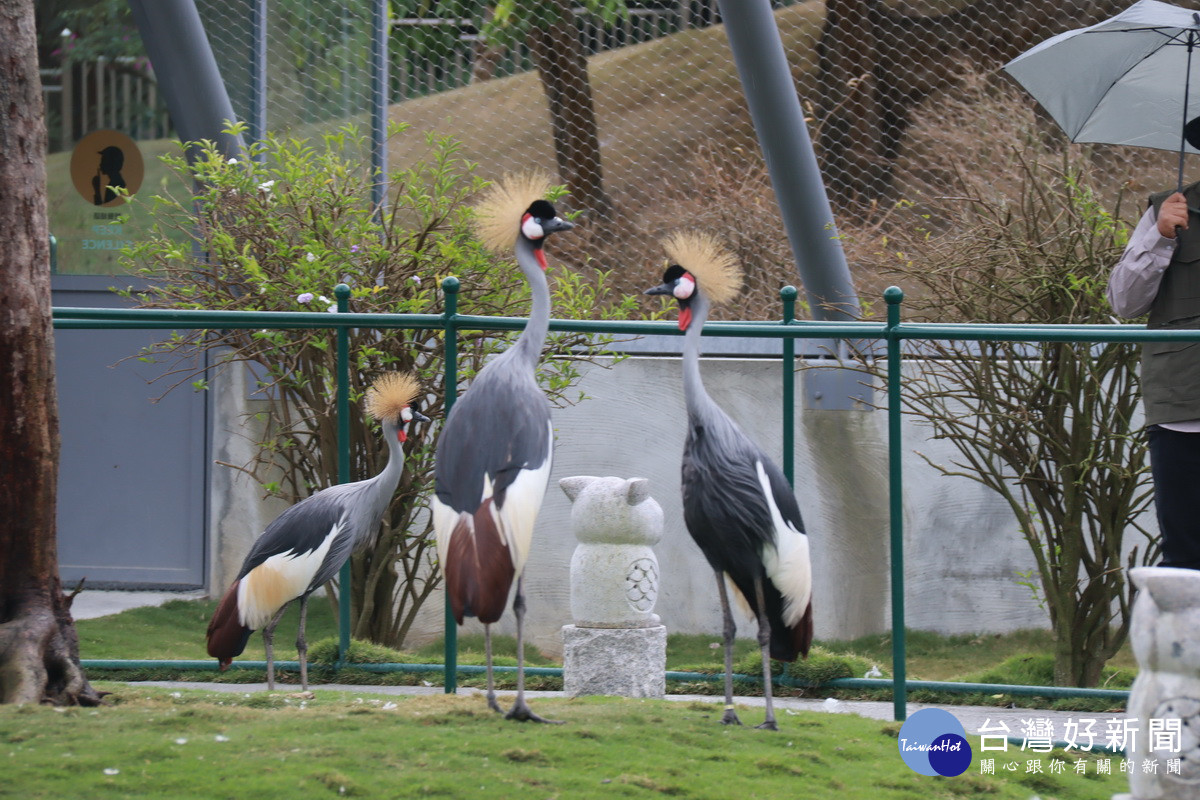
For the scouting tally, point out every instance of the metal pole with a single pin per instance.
(893, 295)
(342, 293)
(186, 70)
(258, 72)
(788, 295)
(380, 28)
(782, 133)
(450, 392)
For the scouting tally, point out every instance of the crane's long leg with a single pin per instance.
(520, 710)
(730, 716)
(491, 684)
(764, 644)
(268, 635)
(302, 645)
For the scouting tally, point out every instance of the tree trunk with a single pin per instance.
(875, 65)
(485, 56)
(39, 650)
(850, 137)
(562, 67)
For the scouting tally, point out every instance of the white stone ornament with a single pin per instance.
(617, 644)
(614, 572)
(1165, 698)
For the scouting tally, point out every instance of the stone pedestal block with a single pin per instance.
(630, 662)
(1165, 698)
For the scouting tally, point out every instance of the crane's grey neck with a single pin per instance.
(528, 346)
(698, 401)
(390, 476)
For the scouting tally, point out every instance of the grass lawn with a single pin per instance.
(205, 745)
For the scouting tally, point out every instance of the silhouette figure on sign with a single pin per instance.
(112, 158)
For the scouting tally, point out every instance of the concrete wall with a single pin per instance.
(963, 551)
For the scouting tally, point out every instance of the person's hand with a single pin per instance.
(1172, 214)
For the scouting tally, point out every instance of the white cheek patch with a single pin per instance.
(684, 288)
(406, 414)
(531, 228)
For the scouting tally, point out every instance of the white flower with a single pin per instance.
(307, 297)
(332, 309)
(266, 186)
(324, 299)
(233, 161)
(111, 771)
(416, 279)
(309, 257)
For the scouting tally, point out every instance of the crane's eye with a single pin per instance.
(532, 227)
(406, 414)
(684, 287)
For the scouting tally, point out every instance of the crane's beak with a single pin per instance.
(685, 313)
(418, 416)
(557, 224)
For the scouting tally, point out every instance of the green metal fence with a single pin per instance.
(892, 332)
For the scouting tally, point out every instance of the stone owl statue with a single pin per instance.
(614, 572)
(1165, 634)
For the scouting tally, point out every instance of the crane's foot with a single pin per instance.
(769, 725)
(730, 717)
(493, 705)
(523, 713)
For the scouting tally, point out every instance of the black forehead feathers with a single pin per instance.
(541, 209)
(674, 272)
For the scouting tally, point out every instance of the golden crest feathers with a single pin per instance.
(498, 214)
(705, 256)
(390, 393)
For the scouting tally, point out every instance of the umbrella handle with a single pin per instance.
(1187, 82)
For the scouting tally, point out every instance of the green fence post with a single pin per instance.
(788, 295)
(450, 391)
(342, 293)
(894, 295)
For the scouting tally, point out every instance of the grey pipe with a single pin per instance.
(787, 148)
(186, 71)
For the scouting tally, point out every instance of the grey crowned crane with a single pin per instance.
(494, 452)
(737, 505)
(307, 544)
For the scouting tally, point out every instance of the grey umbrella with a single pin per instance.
(1125, 80)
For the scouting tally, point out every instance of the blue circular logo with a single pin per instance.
(933, 742)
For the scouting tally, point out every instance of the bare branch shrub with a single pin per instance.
(1048, 426)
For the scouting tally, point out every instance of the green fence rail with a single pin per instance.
(893, 333)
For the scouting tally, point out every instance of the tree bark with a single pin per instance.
(39, 650)
(875, 65)
(486, 57)
(563, 70)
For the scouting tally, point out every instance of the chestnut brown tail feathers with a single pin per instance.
(227, 636)
(479, 568)
(801, 634)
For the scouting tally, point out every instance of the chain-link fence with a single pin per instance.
(642, 114)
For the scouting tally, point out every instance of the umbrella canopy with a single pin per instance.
(1122, 81)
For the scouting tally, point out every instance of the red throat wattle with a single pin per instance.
(541, 257)
(401, 436)
(685, 318)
